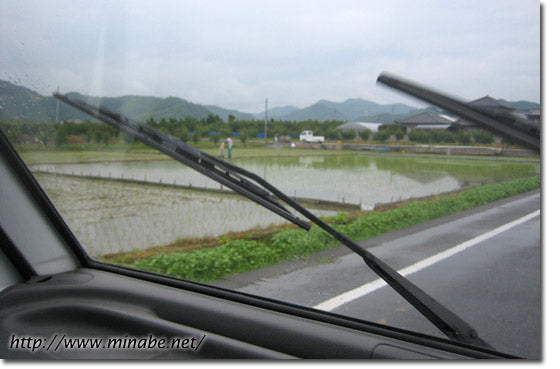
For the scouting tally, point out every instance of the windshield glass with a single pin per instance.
(292, 98)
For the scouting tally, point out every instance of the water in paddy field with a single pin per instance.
(113, 216)
(355, 179)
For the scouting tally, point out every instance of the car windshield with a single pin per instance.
(291, 97)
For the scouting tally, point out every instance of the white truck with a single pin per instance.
(307, 136)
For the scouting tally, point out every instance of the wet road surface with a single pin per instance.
(483, 264)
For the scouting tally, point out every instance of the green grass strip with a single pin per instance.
(232, 257)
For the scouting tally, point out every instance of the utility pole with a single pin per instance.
(57, 102)
(265, 117)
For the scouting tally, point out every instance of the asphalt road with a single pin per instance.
(483, 264)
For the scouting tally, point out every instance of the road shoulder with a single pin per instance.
(241, 280)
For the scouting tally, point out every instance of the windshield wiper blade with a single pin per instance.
(518, 129)
(257, 189)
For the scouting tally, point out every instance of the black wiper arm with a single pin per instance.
(247, 184)
(517, 129)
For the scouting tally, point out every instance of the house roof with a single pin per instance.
(529, 114)
(520, 114)
(426, 118)
(433, 126)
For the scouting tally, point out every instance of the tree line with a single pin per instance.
(214, 128)
(187, 129)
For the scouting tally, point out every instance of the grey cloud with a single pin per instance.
(235, 54)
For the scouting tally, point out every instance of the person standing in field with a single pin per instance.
(230, 145)
(222, 151)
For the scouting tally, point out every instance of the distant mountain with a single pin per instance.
(23, 104)
(320, 111)
(356, 108)
(141, 108)
(349, 110)
(391, 118)
(278, 112)
(224, 113)
(521, 105)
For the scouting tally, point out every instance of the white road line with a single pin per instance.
(358, 292)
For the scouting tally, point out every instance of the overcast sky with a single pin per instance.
(237, 53)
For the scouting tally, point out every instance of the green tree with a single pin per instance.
(183, 134)
(441, 135)
(482, 137)
(393, 129)
(46, 136)
(151, 121)
(225, 131)
(418, 135)
(216, 138)
(382, 135)
(364, 134)
(333, 134)
(464, 137)
(61, 135)
(212, 118)
(243, 137)
(348, 134)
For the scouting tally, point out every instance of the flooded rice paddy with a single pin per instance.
(113, 216)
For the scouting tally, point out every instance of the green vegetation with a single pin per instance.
(482, 137)
(236, 256)
(87, 156)
(364, 134)
(438, 136)
(348, 134)
(460, 168)
(73, 154)
(86, 135)
(419, 135)
(386, 130)
(464, 138)
(188, 129)
(382, 135)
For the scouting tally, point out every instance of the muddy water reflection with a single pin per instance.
(356, 179)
